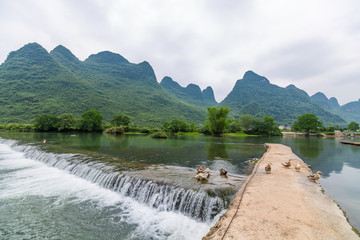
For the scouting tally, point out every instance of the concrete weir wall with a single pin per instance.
(284, 204)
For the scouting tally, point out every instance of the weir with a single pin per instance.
(198, 205)
(281, 205)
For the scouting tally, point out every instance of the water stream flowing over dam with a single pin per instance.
(53, 191)
(197, 205)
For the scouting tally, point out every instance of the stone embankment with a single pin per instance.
(337, 134)
(284, 204)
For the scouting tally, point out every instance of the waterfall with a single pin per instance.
(197, 205)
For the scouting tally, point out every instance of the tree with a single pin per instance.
(269, 127)
(216, 119)
(265, 127)
(120, 120)
(192, 127)
(307, 122)
(46, 122)
(165, 126)
(177, 125)
(234, 126)
(353, 126)
(246, 122)
(330, 129)
(91, 121)
(66, 122)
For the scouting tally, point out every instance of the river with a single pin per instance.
(97, 186)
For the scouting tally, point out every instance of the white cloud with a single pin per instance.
(207, 42)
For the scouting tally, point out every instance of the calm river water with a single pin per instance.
(96, 186)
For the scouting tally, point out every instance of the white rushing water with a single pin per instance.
(22, 179)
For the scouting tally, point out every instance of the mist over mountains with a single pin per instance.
(34, 81)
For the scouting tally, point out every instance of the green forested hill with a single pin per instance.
(191, 94)
(350, 111)
(255, 95)
(34, 81)
(327, 104)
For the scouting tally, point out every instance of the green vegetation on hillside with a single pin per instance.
(256, 96)
(191, 94)
(350, 111)
(34, 82)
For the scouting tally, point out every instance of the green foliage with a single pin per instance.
(91, 121)
(216, 119)
(176, 125)
(353, 126)
(46, 122)
(18, 127)
(145, 130)
(350, 111)
(192, 127)
(66, 122)
(269, 127)
(131, 128)
(238, 134)
(165, 126)
(108, 125)
(307, 122)
(205, 129)
(265, 126)
(256, 96)
(246, 122)
(159, 135)
(115, 130)
(120, 120)
(234, 126)
(191, 94)
(34, 82)
(330, 129)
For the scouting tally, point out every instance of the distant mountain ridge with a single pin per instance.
(350, 111)
(324, 102)
(255, 95)
(33, 81)
(191, 94)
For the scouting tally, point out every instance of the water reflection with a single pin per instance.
(327, 155)
(216, 149)
(340, 163)
(186, 151)
(310, 148)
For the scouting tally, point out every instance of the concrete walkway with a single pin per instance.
(282, 205)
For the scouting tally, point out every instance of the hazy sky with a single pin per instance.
(313, 44)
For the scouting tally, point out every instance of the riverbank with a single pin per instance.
(337, 134)
(282, 205)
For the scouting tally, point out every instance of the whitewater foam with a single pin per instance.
(21, 177)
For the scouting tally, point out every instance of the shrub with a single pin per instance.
(145, 130)
(115, 130)
(159, 135)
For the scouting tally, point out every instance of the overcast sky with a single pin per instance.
(313, 44)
